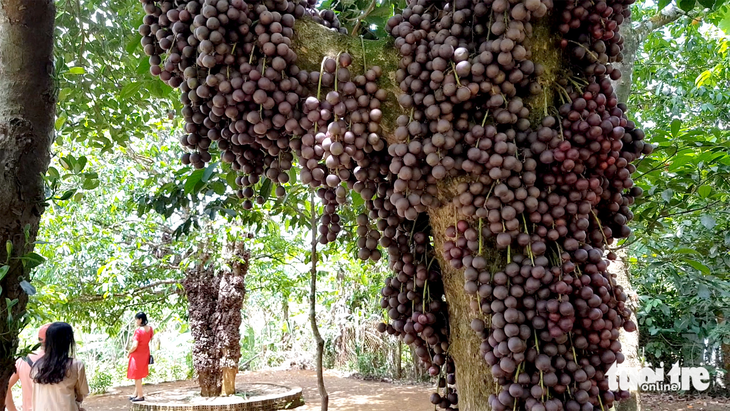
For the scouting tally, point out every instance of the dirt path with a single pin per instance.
(346, 394)
(350, 394)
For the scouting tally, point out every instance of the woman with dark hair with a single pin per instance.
(59, 379)
(139, 355)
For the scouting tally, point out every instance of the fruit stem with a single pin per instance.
(585, 48)
(425, 286)
(489, 28)
(572, 347)
(537, 344)
(480, 236)
(601, 402)
(484, 120)
(453, 67)
(600, 226)
(253, 49)
(321, 70)
(337, 61)
(529, 245)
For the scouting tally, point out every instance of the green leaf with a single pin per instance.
(143, 68)
(708, 221)
(667, 194)
(67, 195)
(65, 163)
(90, 183)
(675, 126)
(133, 43)
(80, 164)
(209, 171)
(27, 287)
(704, 191)
(662, 4)
(60, 121)
(9, 248)
(231, 180)
(708, 4)
(686, 251)
(33, 260)
(724, 23)
(130, 90)
(698, 266)
(193, 180)
(76, 70)
(53, 173)
(265, 191)
(703, 291)
(4, 271)
(686, 5)
(357, 200)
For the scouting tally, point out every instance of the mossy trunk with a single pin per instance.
(27, 110)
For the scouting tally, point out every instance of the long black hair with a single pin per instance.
(60, 348)
(141, 316)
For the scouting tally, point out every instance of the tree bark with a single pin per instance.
(313, 312)
(202, 294)
(231, 292)
(629, 341)
(27, 110)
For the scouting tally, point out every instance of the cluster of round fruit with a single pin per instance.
(414, 300)
(233, 62)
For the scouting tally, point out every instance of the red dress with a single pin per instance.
(139, 360)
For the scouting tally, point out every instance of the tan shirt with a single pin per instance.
(64, 396)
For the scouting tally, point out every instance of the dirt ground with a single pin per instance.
(345, 394)
(670, 402)
(350, 394)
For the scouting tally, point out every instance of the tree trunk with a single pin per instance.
(629, 341)
(202, 294)
(27, 110)
(324, 397)
(230, 302)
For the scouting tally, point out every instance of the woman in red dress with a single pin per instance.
(139, 355)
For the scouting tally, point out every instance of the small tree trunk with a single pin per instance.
(27, 110)
(228, 312)
(313, 311)
(202, 293)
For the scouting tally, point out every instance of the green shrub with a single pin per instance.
(100, 382)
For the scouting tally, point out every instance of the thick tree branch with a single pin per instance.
(664, 17)
(313, 42)
(634, 35)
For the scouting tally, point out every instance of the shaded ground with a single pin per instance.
(346, 394)
(670, 402)
(349, 394)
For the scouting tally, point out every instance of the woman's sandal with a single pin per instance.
(138, 399)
